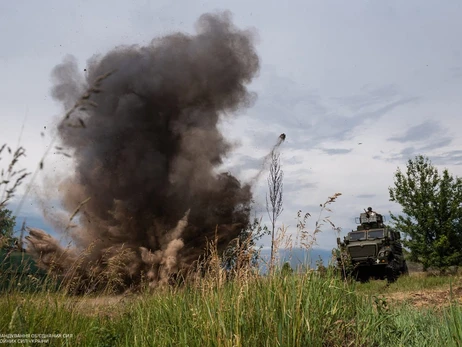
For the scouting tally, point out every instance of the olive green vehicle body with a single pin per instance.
(374, 250)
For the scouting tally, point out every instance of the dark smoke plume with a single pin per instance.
(147, 155)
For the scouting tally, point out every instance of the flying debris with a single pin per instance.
(267, 158)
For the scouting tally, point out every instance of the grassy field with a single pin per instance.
(282, 310)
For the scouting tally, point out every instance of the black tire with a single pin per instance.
(362, 275)
(391, 273)
(356, 275)
(405, 269)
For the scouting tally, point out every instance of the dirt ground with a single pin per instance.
(434, 297)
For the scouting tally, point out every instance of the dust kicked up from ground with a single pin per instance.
(146, 152)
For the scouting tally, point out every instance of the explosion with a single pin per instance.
(147, 152)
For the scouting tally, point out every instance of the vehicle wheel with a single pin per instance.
(356, 275)
(405, 268)
(362, 275)
(391, 273)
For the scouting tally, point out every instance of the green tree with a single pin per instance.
(431, 204)
(7, 224)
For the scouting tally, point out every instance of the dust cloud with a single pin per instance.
(146, 156)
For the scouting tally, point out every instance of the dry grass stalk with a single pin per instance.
(77, 210)
(274, 205)
(81, 105)
(11, 179)
(208, 273)
(307, 239)
(282, 237)
(245, 253)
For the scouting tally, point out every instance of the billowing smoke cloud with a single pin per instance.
(147, 155)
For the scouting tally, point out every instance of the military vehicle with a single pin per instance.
(373, 250)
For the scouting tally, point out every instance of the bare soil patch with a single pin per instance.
(428, 297)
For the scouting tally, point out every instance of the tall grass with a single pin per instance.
(308, 308)
(280, 310)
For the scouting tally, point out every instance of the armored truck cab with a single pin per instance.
(373, 249)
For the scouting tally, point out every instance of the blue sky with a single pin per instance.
(358, 87)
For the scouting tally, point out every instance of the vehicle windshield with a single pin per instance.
(375, 234)
(361, 235)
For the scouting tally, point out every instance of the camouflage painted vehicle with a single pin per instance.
(373, 250)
